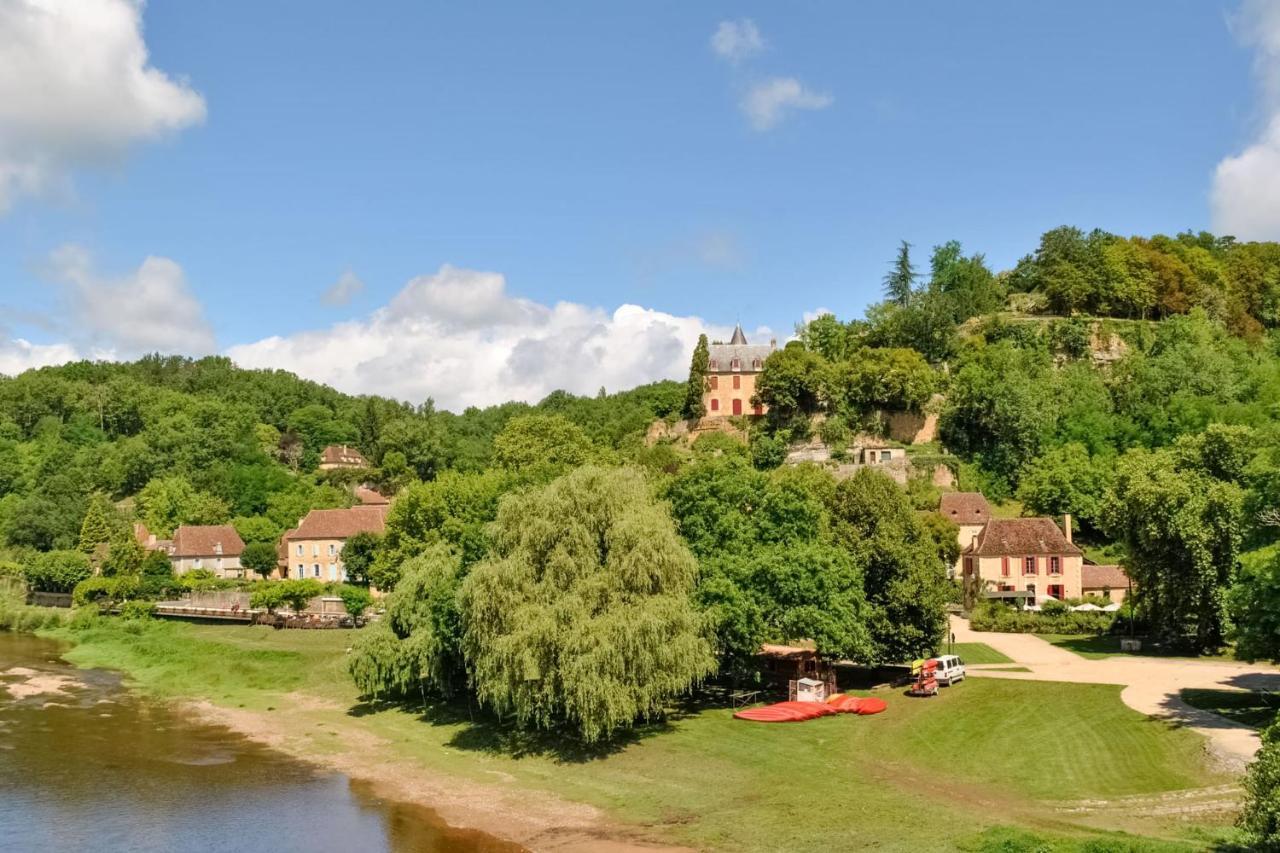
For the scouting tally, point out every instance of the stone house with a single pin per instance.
(313, 549)
(342, 456)
(732, 369)
(214, 547)
(1032, 556)
(1109, 582)
(970, 512)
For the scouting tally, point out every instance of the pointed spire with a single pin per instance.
(738, 338)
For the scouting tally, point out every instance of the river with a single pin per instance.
(86, 765)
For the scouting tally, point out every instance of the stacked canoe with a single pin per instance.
(795, 712)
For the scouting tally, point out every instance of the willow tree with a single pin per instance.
(414, 650)
(582, 617)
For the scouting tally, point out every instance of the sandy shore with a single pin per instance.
(533, 820)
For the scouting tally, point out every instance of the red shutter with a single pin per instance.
(737, 407)
(715, 404)
(1004, 566)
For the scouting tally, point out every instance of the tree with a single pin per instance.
(582, 617)
(793, 381)
(1181, 527)
(827, 336)
(259, 557)
(101, 524)
(1260, 815)
(124, 557)
(899, 282)
(892, 379)
(693, 406)
(58, 571)
(416, 647)
(355, 599)
(418, 439)
(545, 444)
(906, 580)
(156, 565)
(294, 594)
(167, 502)
(358, 555)
(1066, 480)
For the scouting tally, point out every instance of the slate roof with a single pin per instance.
(1100, 577)
(965, 508)
(1020, 536)
(202, 540)
(343, 454)
(339, 523)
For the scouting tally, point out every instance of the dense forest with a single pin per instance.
(1132, 382)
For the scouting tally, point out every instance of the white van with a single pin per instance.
(950, 669)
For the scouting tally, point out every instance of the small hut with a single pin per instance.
(799, 668)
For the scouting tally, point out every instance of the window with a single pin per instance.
(315, 549)
(757, 409)
(1056, 591)
(302, 570)
(315, 569)
(737, 407)
(737, 382)
(1031, 598)
(713, 382)
(735, 365)
(885, 455)
(756, 364)
(197, 563)
(1004, 566)
(713, 365)
(333, 549)
(299, 549)
(715, 404)
(1028, 565)
(968, 565)
(1055, 565)
(333, 571)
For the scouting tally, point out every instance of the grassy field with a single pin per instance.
(1252, 708)
(1095, 647)
(976, 653)
(992, 761)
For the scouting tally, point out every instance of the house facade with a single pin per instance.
(342, 456)
(313, 549)
(970, 512)
(1025, 555)
(732, 369)
(213, 547)
(1107, 582)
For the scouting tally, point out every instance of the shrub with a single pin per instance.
(58, 571)
(354, 598)
(992, 616)
(1260, 817)
(137, 610)
(294, 594)
(767, 451)
(106, 590)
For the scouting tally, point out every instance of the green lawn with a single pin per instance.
(1252, 708)
(976, 653)
(984, 753)
(1105, 646)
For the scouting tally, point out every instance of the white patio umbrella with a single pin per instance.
(1112, 607)
(1086, 607)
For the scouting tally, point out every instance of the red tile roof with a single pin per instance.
(1103, 577)
(203, 540)
(965, 508)
(1018, 536)
(340, 523)
(369, 497)
(343, 454)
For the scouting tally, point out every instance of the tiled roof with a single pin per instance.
(1018, 536)
(369, 497)
(1103, 577)
(342, 454)
(965, 508)
(340, 523)
(202, 540)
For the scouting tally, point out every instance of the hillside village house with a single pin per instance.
(732, 369)
(1026, 555)
(968, 511)
(313, 549)
(214, 547)
(342, 456)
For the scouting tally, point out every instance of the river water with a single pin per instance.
(85, 765)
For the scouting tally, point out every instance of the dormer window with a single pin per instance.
(755, 364)
(713, 365)
(735, 365)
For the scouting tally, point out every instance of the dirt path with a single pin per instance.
(1151, 685)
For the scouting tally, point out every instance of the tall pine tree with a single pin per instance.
(899, 283)
(101, 524)
(693, 407)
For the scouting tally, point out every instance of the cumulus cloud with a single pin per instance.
(342, 291)
(735, 41)
(76, 90)
(19, 354)
(459, 337)
(770, 101)
(1245, 198)
(150, 309)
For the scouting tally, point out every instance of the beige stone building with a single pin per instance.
(1025, 555)
(732, 369)
(342, 456)
(214, 547)
(313, 549)
(968, 511)
(1109, 582)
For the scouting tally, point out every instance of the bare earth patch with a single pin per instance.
(31, 682)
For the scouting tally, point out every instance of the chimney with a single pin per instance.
(1066, 525)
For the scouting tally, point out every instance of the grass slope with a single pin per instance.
(985, 753)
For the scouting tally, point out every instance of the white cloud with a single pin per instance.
(770, 101)
(18, 355)
(342, 291)
(458, 337)
(735, 41)
(151, 309)
(1245, 197)
(76, 90)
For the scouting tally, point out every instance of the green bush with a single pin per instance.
(1001, 618)
(137, 610)
(58, 571)
(1260, 817)
(106, 590)
(354, 598)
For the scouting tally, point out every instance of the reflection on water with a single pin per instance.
(86, 766)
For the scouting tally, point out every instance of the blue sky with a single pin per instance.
(601, 156)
